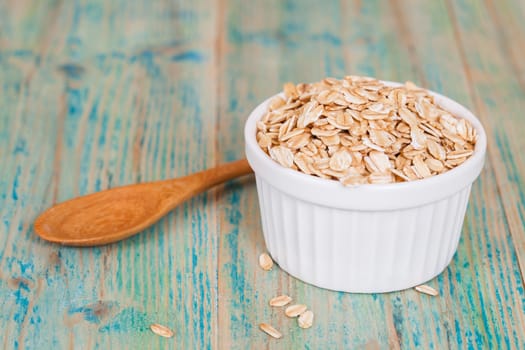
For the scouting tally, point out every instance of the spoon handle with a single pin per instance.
(214, 176)
(188, 186)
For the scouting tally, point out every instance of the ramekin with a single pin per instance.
(370, 238)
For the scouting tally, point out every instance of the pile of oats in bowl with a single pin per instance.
(360, 130)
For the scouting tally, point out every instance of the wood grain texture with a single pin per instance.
(95, 94)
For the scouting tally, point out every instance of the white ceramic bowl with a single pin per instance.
(369, 238)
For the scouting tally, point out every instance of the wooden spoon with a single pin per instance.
(109, 216)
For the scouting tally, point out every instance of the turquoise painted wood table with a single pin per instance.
(96, 94)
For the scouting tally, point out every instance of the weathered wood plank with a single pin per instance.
(422, 39)
(133, 106)
(448, 76)
(410, 319)
(487, 65)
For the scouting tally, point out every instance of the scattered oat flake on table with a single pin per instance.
(306, 319)
(427, 290)
(161, 330)
(280, 300)
(266, 328)
(265, 261)
(295, 310)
